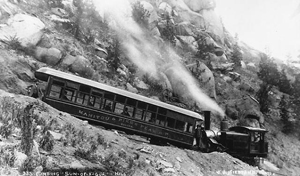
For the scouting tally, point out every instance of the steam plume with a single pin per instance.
(147, 54)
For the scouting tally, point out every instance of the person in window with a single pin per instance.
(125, 112)
(255, 137)
(91, 101)
(108, 107)
(64, 96)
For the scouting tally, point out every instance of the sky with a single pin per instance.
(267, 25)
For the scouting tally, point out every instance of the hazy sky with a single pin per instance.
(264, 24)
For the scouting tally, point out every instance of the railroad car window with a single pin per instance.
(152, 108)
(68, 94)
(149, 117)
(142, 105)
(80, 98)
(129, 110)
(138, 113)
(86, 99)
(160, 120)
(91, 101)
(119, 108)
(84, 88)
(179, 125)
(109, 96)
(131, 102)
(170, 122)
(162, 111)
(97, 102)
(98, 97)
(108, 105)
(126, 110)
(55, 91)
(189, 127)
(56, 88)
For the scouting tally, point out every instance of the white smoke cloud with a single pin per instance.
(147, 53)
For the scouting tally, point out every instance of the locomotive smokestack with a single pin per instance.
(207, 120)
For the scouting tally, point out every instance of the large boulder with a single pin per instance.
(208, 41)
(140, 84)
(82, 67)
(214, 25)
(248, 110)
(130, 88)
(188, 89)
(184, 29)
(49, 56)
(164, 9)
(206, 18)
(68, 60)
(26, 29)
(189, 42)
(185, 13)
(153, 17)
(205, 77)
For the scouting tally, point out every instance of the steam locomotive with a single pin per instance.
(246, 143)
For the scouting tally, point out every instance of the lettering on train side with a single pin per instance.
(129, 123)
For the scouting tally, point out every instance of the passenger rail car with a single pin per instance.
(115, 108)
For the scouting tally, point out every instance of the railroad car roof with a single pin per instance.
(52, 72)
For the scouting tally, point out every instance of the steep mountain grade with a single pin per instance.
(176, 51)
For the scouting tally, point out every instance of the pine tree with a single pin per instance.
(269, 75)
(284, 84)
(237, 56)
(284, 115)
(168, 30)
(140, 15)
(296, 89)
(268, 71)
(263, 97)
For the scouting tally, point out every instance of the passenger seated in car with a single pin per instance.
(125, 112)
(108, 107)
(64, 96)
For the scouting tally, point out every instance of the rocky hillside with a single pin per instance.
(177, 51)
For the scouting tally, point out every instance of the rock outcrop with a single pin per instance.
(24, 28)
